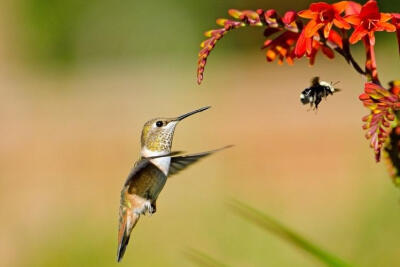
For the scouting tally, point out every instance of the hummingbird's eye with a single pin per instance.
(159, 123)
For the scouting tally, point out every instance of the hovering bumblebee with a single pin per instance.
(319, 89)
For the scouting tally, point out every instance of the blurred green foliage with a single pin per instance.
(202, 259)
(52, 27)
(271, 225)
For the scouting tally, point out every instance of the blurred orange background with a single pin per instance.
(79, 80)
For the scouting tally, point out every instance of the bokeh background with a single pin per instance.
(78, 79)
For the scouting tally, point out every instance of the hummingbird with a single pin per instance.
(149, 174)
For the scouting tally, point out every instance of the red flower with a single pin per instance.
(368, 21)
(324, 15)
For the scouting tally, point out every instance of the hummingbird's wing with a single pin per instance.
(139, 165)
(179, 163)
(144, 162)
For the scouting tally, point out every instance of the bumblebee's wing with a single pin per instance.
(181, 162)
(315, 81)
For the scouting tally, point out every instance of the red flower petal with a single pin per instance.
(341, 23)
(353, 19)
(270, 55)
(340, 6)
(312, 27)
(267, 43)
(289, 60)
(363, 97)
(270, 13)
(312, 57)
(307, 14)
(328, 52)
(353, 8)
(336, 38)
(386, 26)
(370, 10)
(373, 87)
(313, 53)
(309, 45)
(385, 17)
(300, 48)
(358, 33)
(289, 17)
(320, 6)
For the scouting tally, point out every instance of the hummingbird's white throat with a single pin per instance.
(162, 163)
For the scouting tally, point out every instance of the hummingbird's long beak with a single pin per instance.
(191, 113)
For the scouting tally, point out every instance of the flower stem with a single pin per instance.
(345, 52)
(370, 63)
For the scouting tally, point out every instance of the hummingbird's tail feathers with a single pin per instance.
(122, 247)
(128, 220)
(179, 163)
